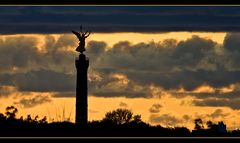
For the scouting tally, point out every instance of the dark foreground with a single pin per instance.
(118, 123)
(67, 129)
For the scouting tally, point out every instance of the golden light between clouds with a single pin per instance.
(61, 108)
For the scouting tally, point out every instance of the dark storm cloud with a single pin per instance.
(231, 42)
(20, 52)
(17, 52)
(62, 19)
(231, 103)
(24, 67)
(189, 80)
(171, 65)
(205, 95)
(232, 50)
(41, 81)
(158, 56)
(188, 64)
(112, 87)
(95, 49)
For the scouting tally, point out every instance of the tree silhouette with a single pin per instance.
(198, 124)
(121, 116)
(210, 124)
(11, 112)
(137, 118)
(119, 122)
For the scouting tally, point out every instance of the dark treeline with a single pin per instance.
(120, 122)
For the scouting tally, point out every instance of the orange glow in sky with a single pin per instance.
(59, 109)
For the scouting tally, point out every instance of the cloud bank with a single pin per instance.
(126, 70)
(148, 19)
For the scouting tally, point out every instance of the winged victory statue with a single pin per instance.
(81, 37)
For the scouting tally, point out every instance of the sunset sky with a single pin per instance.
(169, 64)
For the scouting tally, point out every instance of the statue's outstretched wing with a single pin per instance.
(87, 33)
(77, 34)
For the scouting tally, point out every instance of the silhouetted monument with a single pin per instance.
(81, 63)
(81, 37)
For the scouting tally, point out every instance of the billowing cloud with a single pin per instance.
(50, 19)
(20, 53)
(6, 91)
(17, 52)
(115, 85)
(155, 108)
(128, 70)
(41, 81)
(33, 101)
(218, 113)
(232, 51)
(168, 67)
(231, 42)
(165, 119)
(123, 104)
